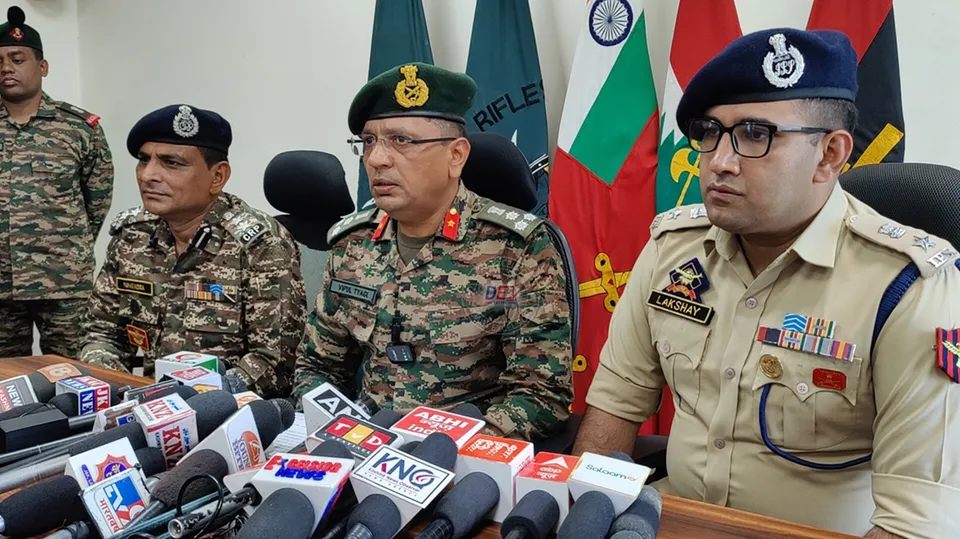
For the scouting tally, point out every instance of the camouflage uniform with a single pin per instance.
(483, 306)
(240, 297)
(56, 185)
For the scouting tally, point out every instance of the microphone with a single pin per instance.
(325, 402)
(548, 473)
(29, 512)
(199, 378)
(176, 426)
(409, 481)
(617, 477)
(144, 393)
(376, 517)
(44, 380)
(92, 395)
(463, 507)
(182, 360)
(589, 518)
(24, 410)
(642, 519)
(423, 421)
(534, 517)
(499, 458)
(273, 518)
(164, 494)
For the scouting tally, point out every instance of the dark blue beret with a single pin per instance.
(773, 65)
(184, 125)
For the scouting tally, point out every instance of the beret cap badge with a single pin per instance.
(411, 91)
(17, 34)
(185, 124)
(783, 66)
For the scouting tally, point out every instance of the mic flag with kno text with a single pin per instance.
(510, 101)
(399, 36)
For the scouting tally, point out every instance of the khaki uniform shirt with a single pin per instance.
(56, 185)
(239, 297)
(889, 398)
(482, 305)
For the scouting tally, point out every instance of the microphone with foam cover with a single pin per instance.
(376, 517)
(467, 409)
(41, 508)
(273, 518)
(44, 381)
(642, 519)
(533, 517)
(590, 517)
(463, 507)
(272, 417)
(164, 494)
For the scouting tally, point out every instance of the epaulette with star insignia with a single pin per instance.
(130, 216)
(517, 221)
(350, 222)
(90, 119)
(679, 218)
(930, 253)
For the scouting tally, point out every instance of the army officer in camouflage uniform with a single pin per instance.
(56, 184)
(438, 296)
(195, 268)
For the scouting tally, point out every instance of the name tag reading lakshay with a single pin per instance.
(353, 290)
(682, 296)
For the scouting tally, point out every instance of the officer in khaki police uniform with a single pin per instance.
(196, 269)
(438, 296)
(758, 309)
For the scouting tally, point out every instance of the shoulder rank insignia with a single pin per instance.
(682, 296)
(128, 217)
(689, 216)
(929, 253)
(508, 217)
(948, 352)
(350, 222)
(90, 119)
(246, 224)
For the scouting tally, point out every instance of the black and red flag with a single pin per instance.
(879, 136)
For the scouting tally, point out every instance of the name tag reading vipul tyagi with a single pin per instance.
(353, 290)
(682, 296)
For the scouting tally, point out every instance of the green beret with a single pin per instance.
(413, 90)
(14, 33)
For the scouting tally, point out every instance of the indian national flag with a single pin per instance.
(602, 184)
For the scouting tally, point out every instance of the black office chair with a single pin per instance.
(310, 188)
(496, 169)
(920, 195)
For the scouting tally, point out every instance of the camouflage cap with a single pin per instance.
(14, 33)
(414, 89)
(183, 125)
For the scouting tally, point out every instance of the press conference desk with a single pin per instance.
(681, 518)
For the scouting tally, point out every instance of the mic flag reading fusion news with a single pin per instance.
(642, 519)
(285, 513)
(534, 517)
(463, 507)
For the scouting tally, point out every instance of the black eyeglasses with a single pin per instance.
(750, 139)
(401, 143)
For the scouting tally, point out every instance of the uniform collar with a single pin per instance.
(163, 236)
(816, 245)
(453, 228)
(47, 108)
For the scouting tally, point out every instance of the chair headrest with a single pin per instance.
(309, 185)
(920, 195)
(497, 169)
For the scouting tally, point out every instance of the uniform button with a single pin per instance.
(729, 373)
(719, 444)
(751, 303)
(802, 388)
(665, 348)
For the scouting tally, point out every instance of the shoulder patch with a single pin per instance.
(679, 218)
(930, 253)
(247, 224)
(351, 222)
(517, 221)
(90, 119)
(128, 217)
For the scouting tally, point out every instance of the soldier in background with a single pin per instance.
(195, 268)
(405, 297)
(56, 185)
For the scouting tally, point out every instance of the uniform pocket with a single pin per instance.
(53, 181)
(139, 309)
(464, 325)
(812, 403)
(681, 346)
(212, 316)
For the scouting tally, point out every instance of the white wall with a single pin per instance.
(284, 72)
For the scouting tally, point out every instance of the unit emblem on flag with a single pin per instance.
(783, 66)
(411, 91)
(948, 352)
(210, 291)
(610, 21)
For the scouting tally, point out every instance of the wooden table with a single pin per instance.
(681, 519)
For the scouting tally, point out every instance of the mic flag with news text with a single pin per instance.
(879, 136)
(503, 61)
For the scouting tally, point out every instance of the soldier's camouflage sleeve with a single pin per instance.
(275, 310)
(327, 353)
(105, 342)
(536, 342)
(96, 182)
